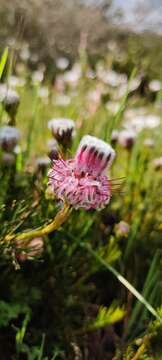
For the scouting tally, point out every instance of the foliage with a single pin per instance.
(95, 290)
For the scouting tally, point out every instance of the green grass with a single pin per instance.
(91, 283)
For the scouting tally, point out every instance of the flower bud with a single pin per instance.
(53, 152)
(11, 102)
(155, 85)
(126, 139)
(9, 137)
(157, 163)
(63, 130)
(114, 136)
(62, 63)
(42, 163)
(26, 250)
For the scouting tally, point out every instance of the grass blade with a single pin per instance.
(3, 61)
(124, 282)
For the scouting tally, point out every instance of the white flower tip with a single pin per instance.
(11, 97)
(61, 123)
(9, 132)
(102, 149)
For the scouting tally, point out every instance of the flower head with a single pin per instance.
(53, 151)
(42, 163)
(11, 102)
(9, 137)
(155, 85)
(127, 138)
(62, 63)
(157, 163)
(115, 136)
(62, 129)
(83, 181)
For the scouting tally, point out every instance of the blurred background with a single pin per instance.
(52, 28)
(70, 295)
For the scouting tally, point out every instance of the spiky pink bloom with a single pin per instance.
(83, 181)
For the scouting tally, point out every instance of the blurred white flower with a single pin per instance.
(3, 91)
(63, 129)
(72, 76)
(140, 122)
(91, 74)
(115, 136)
(17, 149)
(34, 58)
(155, 85)
(25, 53)
(134, 84)
(11, 101)
(126, 138)
(42, 163)
(113, 106)
(95, 95)
(15, 81)
(37, 76)
(43, 92)
(120, 91)
(112, 78)
(62, 63)
(157, 163)
(130, 113)
(9, 137)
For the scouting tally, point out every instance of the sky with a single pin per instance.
(141, 15)
(138, 15)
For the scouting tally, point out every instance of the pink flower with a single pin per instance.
(83, 181)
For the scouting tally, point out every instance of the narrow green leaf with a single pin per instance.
(40, 356)
(124, 282)
(3, 61)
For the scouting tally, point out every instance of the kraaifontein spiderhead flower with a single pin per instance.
(62, 130)
(9, 137)
(82, 181)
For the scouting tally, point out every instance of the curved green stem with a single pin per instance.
(59, 219)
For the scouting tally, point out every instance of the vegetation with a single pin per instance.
(92, 289)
